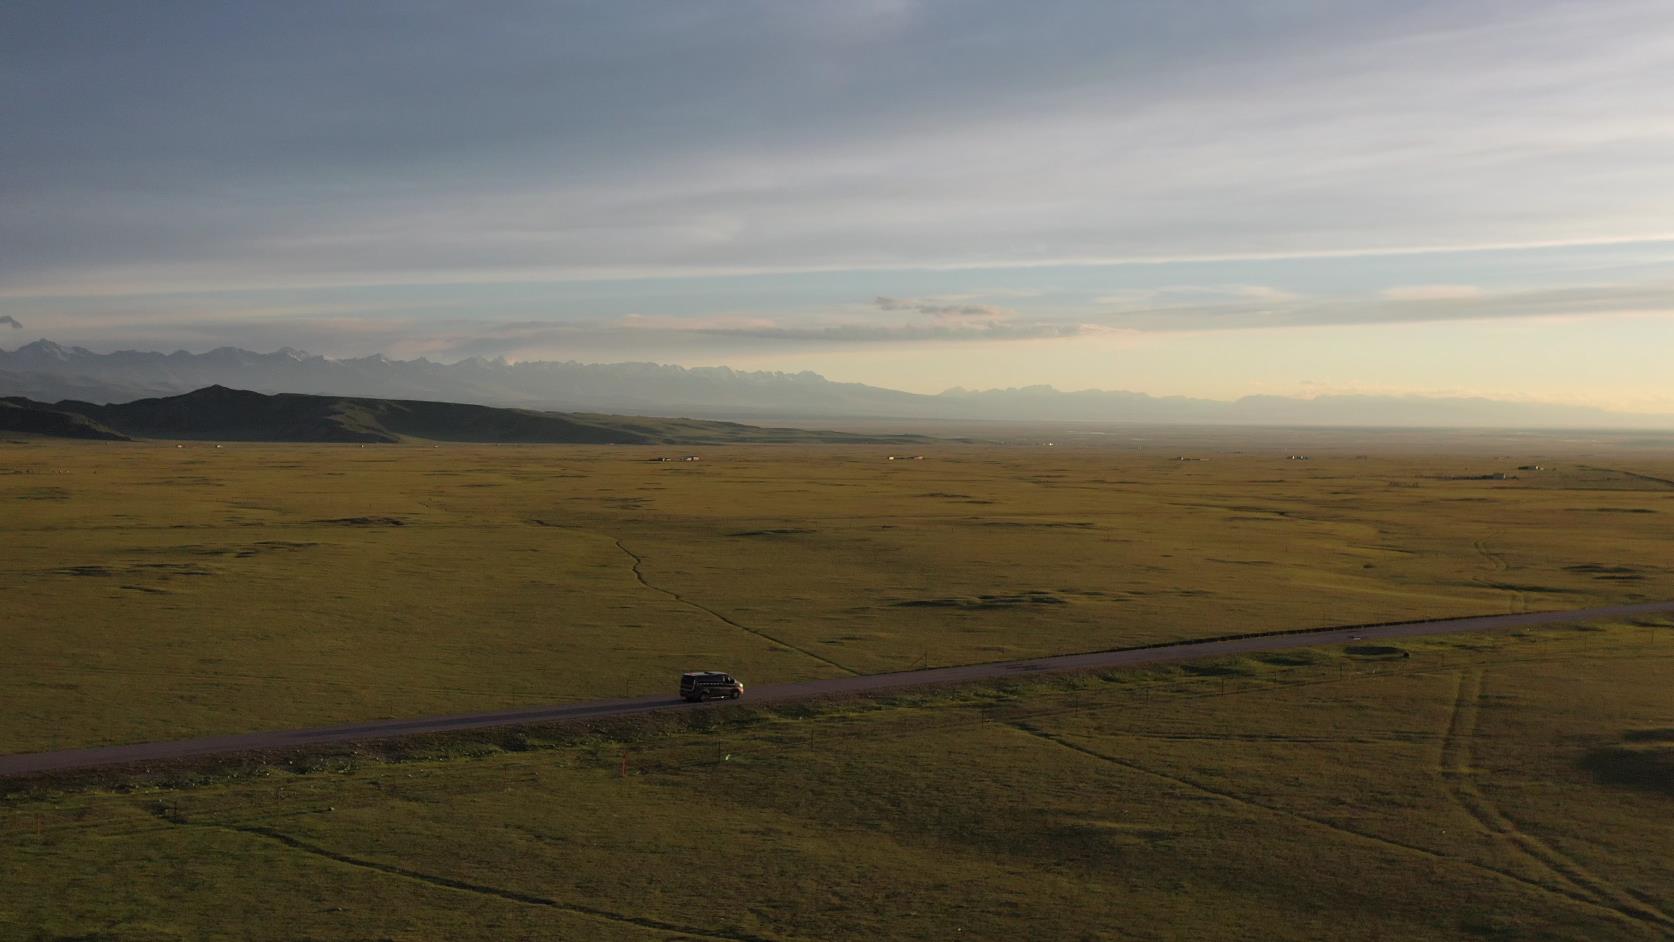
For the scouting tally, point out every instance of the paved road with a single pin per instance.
(141, 754)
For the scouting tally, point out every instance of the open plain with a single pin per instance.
(160, 592)
(1470, 786)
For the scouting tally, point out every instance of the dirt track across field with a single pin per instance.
(142, 754)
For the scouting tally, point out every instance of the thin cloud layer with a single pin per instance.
(1422, 304)
(538, 339)
(944, 312)
(914, 333)
(1173, 310)
(831, 181)
(378, 143)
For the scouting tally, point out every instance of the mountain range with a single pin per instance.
(47, 371)
(220, 414)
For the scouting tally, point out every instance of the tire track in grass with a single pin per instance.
(1563, 891)
(1632, 474)
(1454, 765)
(481, 889)
(1457, 772)
(1518, 600)
(639, 573)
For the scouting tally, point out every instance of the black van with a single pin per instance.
(709, 685)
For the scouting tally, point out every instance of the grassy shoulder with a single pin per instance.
(1465, 787)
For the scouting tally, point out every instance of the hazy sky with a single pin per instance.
(1172, 197)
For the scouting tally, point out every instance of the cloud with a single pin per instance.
(899, 333)
(945, 312)
(1432, 292)
(713, 322)
(725, 333)
(1425, 304)
(1182, 294)
(12, 321)
(948, 321)
(725, 138)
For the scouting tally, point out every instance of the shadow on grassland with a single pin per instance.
(1644, 760)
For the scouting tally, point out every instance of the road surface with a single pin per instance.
(142, 754)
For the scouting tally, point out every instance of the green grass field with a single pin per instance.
(154, 591)
(1507, 787)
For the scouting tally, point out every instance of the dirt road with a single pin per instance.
(141, 754)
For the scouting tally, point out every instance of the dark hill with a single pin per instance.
(222, 414)
(35, 418)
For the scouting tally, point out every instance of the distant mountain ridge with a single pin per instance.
(221, 414)
(46, 371)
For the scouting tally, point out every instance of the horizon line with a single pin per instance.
(1434, 396)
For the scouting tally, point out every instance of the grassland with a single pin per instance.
(154, 591)
(1469, 787)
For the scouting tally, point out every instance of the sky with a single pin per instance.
(1198, 198)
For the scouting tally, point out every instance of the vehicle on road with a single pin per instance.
(696, 686)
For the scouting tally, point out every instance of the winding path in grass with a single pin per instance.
(146, 754)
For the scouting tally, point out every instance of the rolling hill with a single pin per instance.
(18, 414)
(222, 414)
